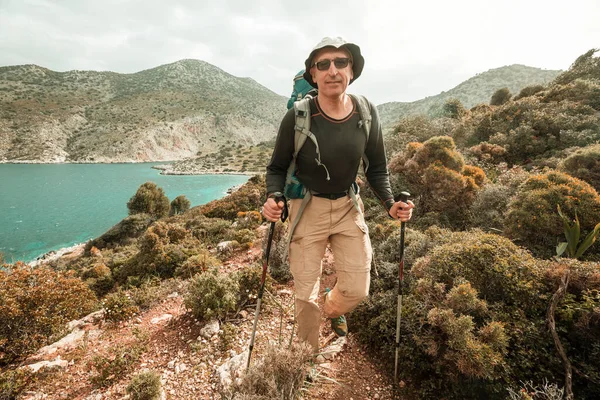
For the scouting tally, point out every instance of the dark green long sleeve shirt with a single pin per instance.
(342, 144)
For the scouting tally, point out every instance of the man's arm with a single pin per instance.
(377, 173)
(282, 154)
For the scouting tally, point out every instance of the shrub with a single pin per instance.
(489, 207)
(586, 66)
(248, 279)
(532, 218)
(123, 233)
(119, 307)
(471, 296)
(209, 230)
(438, 177)
(212, 295)
(279, 267)
(144, 386)
(14, 382)
(248, 198)
(120, 360)
(529, 91)
(198, 263)
(579, 91)
(149, 199)
(279, 375)
(227, 336)
(249, 220)
(416, 128)
(584, 164)
(36, 305)
(180, 205)
(99, 278)
(500, 97)
(453, 108)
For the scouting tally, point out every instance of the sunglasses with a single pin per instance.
(339, 63)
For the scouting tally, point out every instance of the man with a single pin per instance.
(331, 214)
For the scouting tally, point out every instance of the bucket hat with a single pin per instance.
(358, 62)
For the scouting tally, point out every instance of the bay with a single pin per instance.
(46, 207)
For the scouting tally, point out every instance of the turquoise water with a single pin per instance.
(46, 207)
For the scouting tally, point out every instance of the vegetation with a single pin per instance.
(149, 199)
(36, 305)
(144, 386)
(180, 205)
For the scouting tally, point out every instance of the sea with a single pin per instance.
(45, 207)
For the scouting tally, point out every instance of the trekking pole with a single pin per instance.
(403, 196)
(279, 197)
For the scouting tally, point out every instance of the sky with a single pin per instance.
(412, 49)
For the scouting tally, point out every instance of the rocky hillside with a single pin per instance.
(478, 89)
(166, 113)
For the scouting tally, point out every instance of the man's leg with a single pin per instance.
(307, 249)
(352, 254)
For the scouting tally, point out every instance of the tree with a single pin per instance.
(453, 108)
(179, 205)
(149, 199)
(500, 97)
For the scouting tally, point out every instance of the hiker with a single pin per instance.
(300, 89)
(334, 211)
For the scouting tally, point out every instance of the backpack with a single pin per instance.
(293, 188)
(300, 89)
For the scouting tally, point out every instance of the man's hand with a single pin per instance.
(402, 211)
(272, 210)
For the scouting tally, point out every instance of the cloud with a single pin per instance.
(412, 50)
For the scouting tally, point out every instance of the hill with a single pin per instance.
(165, 113)
(476, 90)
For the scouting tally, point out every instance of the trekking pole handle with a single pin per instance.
(403, 197)
(278, 196)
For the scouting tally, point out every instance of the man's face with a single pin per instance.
(333, 81)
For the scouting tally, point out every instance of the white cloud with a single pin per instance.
(412, 49)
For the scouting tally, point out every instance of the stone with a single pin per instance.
(232, 369)
(163, 319)
(66, 343)
(210, 329)
(225, 247)
(58, 362)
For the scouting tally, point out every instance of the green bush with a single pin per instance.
(585, 67)
(529, 91)
(532, 217)
(164, 248)
(248, 198)
(180, 205)
(212, 295)
(500, 97)
(119, 361)
(36, 304)
(464, 303)
(209, 230)
(198, 263)
(279, 267)
(14, 382)
(149, 199)
(144, 386)
(123, 233)
(119, 306)
(439, 178)
(249, 220)
(248, 279)
(584, 164)
(453, 108)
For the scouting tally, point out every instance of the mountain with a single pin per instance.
(166, 113)
(476, 90)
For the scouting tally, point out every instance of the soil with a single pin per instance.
(187, 362)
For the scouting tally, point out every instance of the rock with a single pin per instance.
(225, 247)
(320, 359)
(210, 329)
(331, 351)
(286, 292)
(171, 364)
(232, 369)
(173, 295)
(165, 318)
(58, 362)
(94, 317)
(244, 314)
(66, 343)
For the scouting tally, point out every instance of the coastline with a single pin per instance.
(53, 255)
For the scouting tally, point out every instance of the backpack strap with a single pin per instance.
(364, 110)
